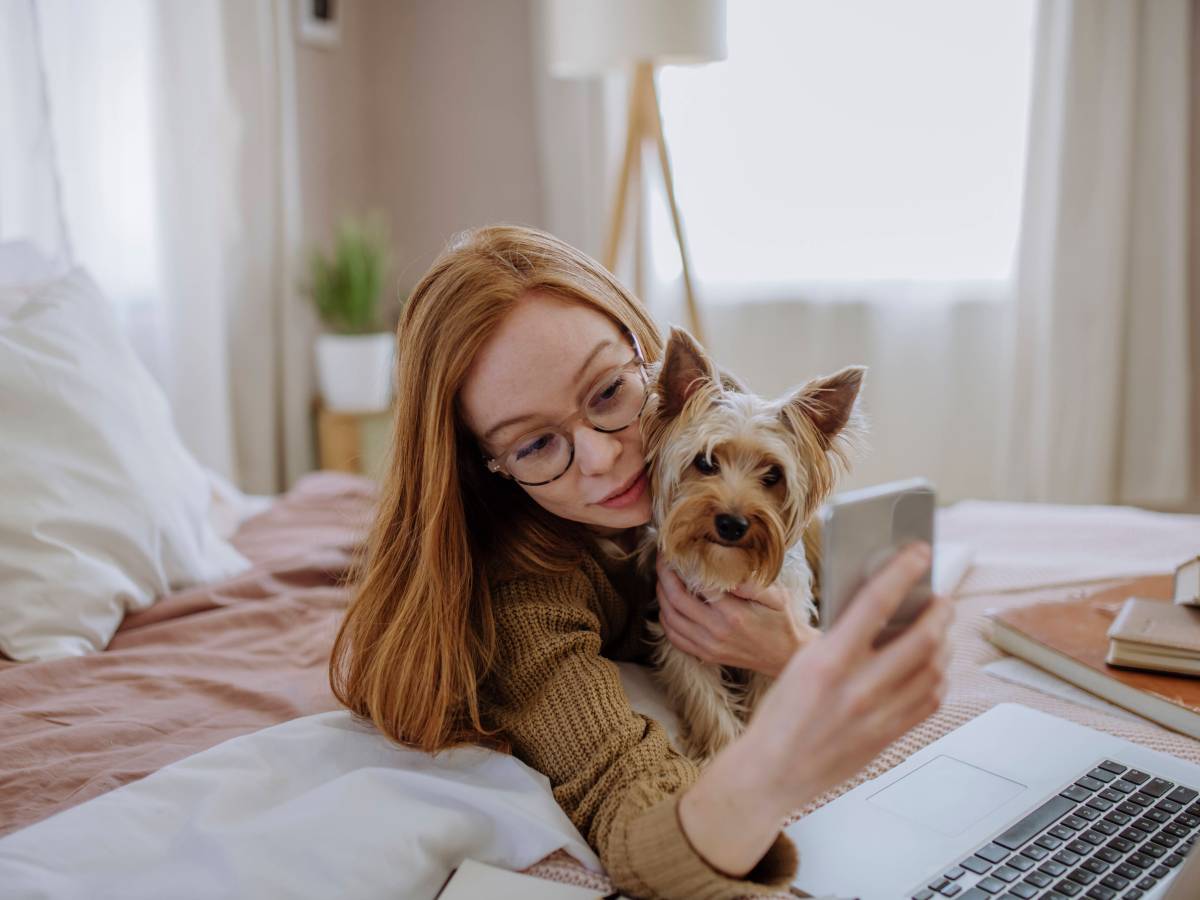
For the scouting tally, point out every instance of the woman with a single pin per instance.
(488, 611)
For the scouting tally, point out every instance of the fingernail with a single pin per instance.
(923, 551)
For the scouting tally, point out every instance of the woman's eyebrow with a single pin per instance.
(583, 369)
(596, 351)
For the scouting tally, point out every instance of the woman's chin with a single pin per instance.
(605, 520)
(631, 516)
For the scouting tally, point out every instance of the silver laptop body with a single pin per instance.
(1010, 773)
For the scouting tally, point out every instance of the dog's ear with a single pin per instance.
(685, 368)
(828, 401)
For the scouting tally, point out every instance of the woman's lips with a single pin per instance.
(628, 495)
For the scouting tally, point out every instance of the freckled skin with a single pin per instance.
(529, 366)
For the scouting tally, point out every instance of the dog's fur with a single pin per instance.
(716, 450)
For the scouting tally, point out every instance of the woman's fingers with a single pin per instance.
(921, 684)
(924, 639)
(689, 647)
(878, 599)
(681, 631)
(899, 693)
(670, 588)
(683, 602)
(923, 646)
(913, 703)
(772, 595)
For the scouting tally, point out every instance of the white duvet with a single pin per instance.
(317, 807)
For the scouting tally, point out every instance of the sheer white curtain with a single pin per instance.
(30, 192)
(167, 132)
(850, 184)
(1101, 409)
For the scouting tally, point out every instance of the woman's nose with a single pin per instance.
(595, 451)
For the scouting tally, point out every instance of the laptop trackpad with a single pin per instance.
(946, 795)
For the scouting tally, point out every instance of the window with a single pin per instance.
(856, 140)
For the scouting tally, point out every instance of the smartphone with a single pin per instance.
(860, 531)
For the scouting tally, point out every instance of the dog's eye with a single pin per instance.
(773, 475)
(705, 465)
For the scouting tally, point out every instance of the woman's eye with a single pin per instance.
(535, 446)
(609, 393)
(705, 465)
(773, 475)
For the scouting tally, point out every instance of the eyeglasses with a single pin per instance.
(614, 402)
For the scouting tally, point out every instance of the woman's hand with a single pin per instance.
(751, 627)
(830, 712)
(839, 705)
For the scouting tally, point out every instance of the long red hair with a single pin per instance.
(419, 635)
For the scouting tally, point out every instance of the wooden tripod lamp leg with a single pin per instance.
(633, 147)
(640, 224)
(644, 121)
(654, 124)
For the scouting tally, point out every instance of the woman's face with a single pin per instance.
(533, 372)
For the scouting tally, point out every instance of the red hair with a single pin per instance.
(419, 634)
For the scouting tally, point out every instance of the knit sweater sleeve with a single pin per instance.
(614, 772)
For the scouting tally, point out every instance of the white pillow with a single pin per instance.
(102, 508)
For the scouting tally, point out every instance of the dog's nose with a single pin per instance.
(731, 528)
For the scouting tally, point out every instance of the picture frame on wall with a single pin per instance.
(318, 22)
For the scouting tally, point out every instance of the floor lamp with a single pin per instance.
(594, 37)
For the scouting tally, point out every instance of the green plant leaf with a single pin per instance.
(346, 287)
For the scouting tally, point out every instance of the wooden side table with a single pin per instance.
(359, 443)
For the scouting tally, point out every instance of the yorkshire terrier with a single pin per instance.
(735, 482)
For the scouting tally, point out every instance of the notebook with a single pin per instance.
(1155, 634)
(1070, 639)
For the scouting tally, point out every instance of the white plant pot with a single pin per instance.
(355, 371)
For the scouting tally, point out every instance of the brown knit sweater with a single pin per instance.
(557, 697)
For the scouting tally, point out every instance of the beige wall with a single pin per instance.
(425, 112)
(422, 110)
(333, 122)
(451, 121)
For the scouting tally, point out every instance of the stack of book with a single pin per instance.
(1136, 645)
(1154, 634)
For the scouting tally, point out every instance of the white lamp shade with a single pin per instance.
(590, 37)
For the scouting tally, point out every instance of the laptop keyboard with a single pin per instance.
(1115, 832)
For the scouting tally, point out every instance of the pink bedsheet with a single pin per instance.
(197, 668)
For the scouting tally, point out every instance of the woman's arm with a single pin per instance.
(662, 828)
(612, 770)
(832, 710)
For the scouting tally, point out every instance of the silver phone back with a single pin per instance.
(860, 531)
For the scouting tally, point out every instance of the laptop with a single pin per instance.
(1014, 804)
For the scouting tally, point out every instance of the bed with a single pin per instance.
(204, 742)
(195, 669)
(201, 753)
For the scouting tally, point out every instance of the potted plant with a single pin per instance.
(355, 358)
